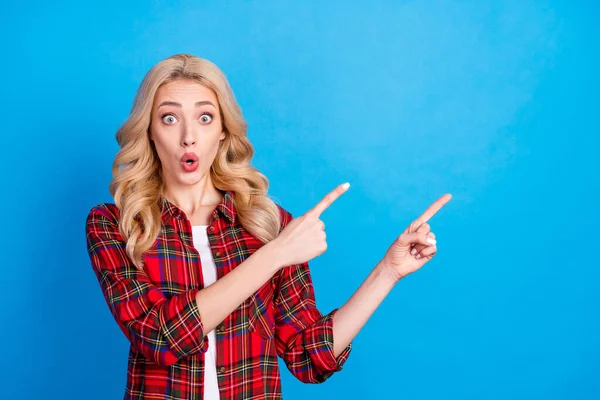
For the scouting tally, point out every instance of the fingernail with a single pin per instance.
(418, 256)
(431, 240)
(413, 251)
(345, 185)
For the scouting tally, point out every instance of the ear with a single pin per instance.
(223, 136)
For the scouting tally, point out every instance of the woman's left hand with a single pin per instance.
(416, 245)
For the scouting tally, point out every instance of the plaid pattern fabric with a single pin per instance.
(157, 311)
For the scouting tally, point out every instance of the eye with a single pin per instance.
(206, 118)
(168, 119)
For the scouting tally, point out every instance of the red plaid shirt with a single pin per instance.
(156, 310)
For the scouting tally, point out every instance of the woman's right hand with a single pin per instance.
(304, 237)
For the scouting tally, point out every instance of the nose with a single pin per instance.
(188, 142)
(187, 138)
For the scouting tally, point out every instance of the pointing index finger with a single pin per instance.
(433, 208)
(328, 200)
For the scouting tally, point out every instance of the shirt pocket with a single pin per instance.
(262, 315)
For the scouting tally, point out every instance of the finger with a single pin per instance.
(328, 200)
(413, 227)
(407, 239)
(429, 234)
(416, 248)
(428, 251)
(424, 228)
(433, 208)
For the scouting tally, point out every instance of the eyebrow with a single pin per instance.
(174, 103)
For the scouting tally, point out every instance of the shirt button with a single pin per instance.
(211, 228)
(218, 254)
(222, 369)
(221, 328)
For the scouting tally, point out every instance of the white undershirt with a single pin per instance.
(209, 273)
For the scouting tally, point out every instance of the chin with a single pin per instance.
(191, 178)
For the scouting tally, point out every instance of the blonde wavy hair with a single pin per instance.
(137, 185)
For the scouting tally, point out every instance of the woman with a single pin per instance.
(206, 276)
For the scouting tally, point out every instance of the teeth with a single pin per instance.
(190, 162)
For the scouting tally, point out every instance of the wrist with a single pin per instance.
(272, 256)
(390, 272)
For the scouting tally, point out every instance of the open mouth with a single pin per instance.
(189, 162)
(189, 158)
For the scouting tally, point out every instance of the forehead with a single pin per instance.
(185, 92)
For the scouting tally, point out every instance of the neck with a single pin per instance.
(194, 197)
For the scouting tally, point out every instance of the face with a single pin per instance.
(186, 130)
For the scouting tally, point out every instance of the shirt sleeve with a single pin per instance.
(304, 337)
(163, 330)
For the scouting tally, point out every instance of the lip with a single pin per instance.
(189, 156)
(193, 165)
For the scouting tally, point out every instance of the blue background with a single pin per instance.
(494, 102)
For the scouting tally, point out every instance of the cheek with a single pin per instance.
(160, 148)
(164, 150)
(212, 150)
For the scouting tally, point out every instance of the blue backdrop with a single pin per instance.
(494, 102)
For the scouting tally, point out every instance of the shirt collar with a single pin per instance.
(226, 208)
